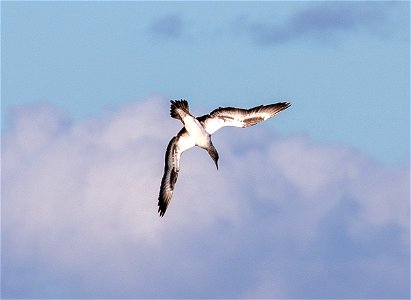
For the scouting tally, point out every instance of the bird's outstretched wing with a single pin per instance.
(176, 146)
(238, 117)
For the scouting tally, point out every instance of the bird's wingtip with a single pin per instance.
(161, 212)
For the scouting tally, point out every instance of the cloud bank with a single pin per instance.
(318, 21)
(311, 21)
(284, 217)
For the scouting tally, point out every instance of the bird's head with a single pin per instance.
(214, 154)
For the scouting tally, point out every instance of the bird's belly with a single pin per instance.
(197, 131)
(202, 141)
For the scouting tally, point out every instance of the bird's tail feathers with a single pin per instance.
(178, 107)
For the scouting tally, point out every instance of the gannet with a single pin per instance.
(198, 131)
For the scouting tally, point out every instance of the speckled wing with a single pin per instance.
(176, 146)
(238, 117)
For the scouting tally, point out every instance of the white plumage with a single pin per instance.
(198, 131)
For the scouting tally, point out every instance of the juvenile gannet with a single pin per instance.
(198, 131)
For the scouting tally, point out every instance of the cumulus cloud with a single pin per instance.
(319, 21)
(284, 217)
(169, 26)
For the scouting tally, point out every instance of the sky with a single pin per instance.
(313, 203)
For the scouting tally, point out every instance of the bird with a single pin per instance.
(198, 131)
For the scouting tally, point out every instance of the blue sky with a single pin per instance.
(344, 66)
(313, 203)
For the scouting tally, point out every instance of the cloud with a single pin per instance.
(316, 21)
(169, 26)
(284, 217)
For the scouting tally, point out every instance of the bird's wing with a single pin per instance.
(238, 117)
(176, 146)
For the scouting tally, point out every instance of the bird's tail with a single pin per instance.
(178, 109)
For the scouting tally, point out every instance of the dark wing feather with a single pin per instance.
(176, 146)
(238, 117)
(169, 177)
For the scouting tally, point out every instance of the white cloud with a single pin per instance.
(283, 216)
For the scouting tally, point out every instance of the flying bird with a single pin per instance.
(198, 131)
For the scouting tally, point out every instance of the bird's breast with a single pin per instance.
(196, 131)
